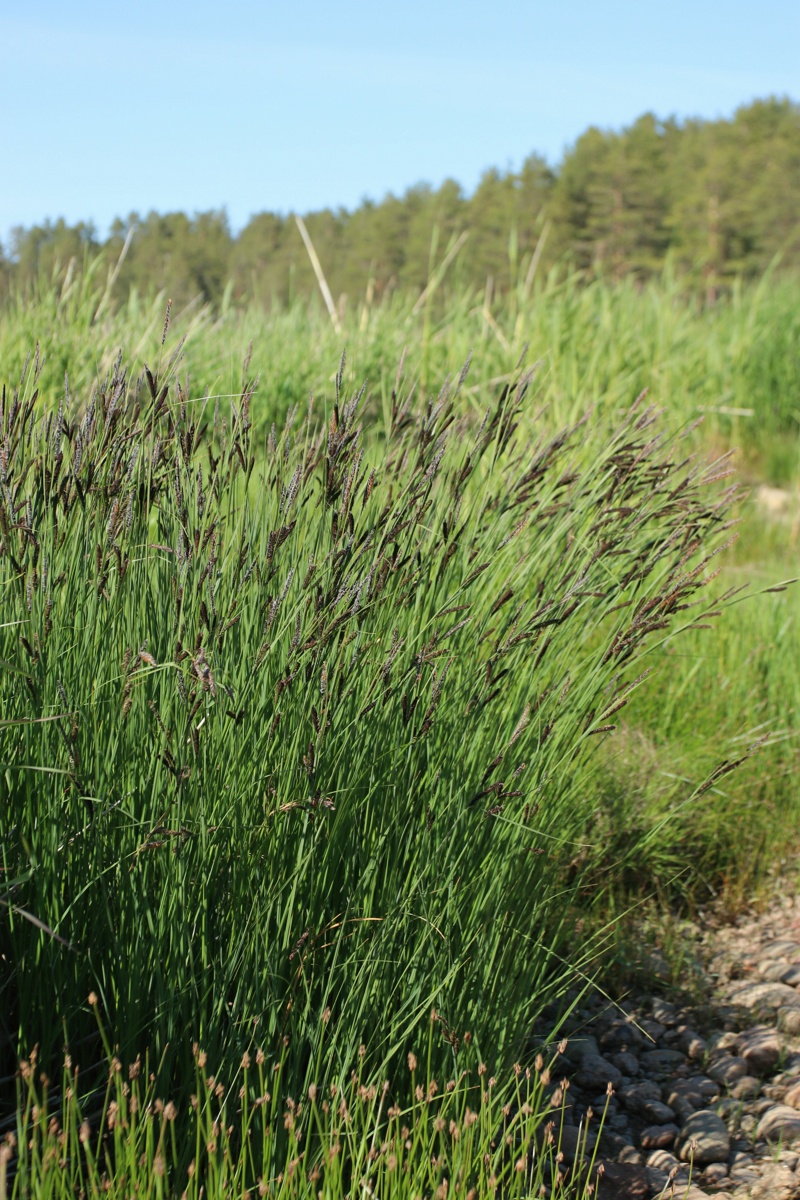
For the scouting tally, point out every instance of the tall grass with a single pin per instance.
(709, 696)
(736, 366)
(296, 725)
(304, 703)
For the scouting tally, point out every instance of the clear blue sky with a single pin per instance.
(108, 108)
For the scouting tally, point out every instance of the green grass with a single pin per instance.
(711, 695)
(309, 728)
(471, 1135)
(283, 703)
(735, 366)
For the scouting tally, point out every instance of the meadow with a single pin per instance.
(331, 709)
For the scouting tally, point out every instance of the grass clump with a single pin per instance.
(298, 723)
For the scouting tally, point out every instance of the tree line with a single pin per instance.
(719, 199)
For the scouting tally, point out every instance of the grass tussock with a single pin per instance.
(295, 727)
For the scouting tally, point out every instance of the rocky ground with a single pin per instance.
(705, 1093)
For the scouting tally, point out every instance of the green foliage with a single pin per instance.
(473, 1135)
(310, 886)
(735, 366)
(725, 691)
(295, 725)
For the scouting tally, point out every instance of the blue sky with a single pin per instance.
(105, 109)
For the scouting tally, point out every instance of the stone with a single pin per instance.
(743, 1176)
(719, 968)
(621, 1035)
(662, 1059)
(760, 1047)
(576, 1140)
(692, 1044)
(781, 949)
(664, 1173)
(789, 1019)
(596, 1072)
(622, 1181)
(705, 1139)
(763, 995)
(628, 1063)
(662, 1160)
(714, 1173)
(780, 1123)
(723, 1041)
(657, 1111)
(664, 1012)
(706, 1087)
(657, 1181)
(559, 1066)
(774, 1182)
(614, 1144)
(579, 1047)
(727, 1070)
(658, 1137)
(773, 970)
(751, 1082)
(673, 1036)
(746, 1088)
(644, 1099)
(684, 1096)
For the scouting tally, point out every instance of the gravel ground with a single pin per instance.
(704, 1095)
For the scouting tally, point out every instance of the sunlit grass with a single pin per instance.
(470, 1135)
(321, 714)
(735, 366)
